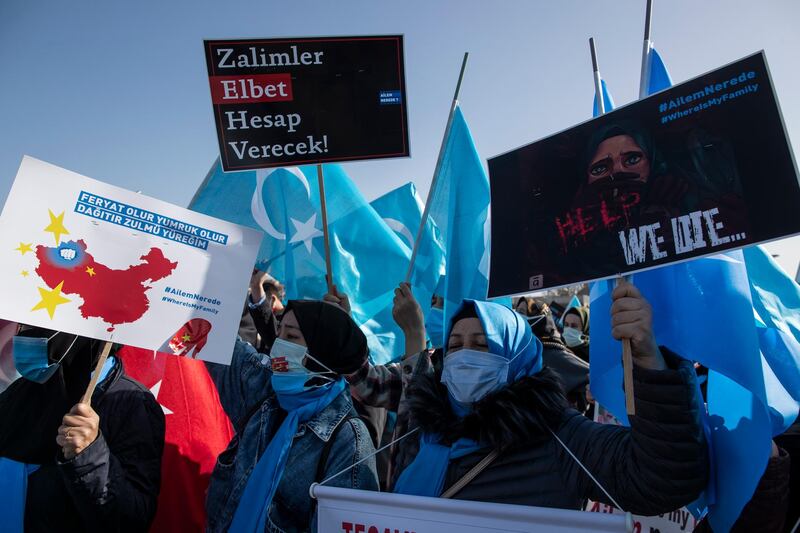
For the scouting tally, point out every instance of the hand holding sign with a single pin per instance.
(632, 318)
(78, 430)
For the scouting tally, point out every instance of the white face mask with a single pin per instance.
(469, 375)
(533, 320)
(573, 337)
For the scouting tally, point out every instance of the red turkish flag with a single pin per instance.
(197, 431)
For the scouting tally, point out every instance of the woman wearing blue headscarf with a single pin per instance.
(495, 425)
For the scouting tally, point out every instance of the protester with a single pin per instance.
(94, 467)
(375, 417)
(197, 430)
(434, 323)
(522, 305)
(294, 421)
(493, 403)
(766, 512)
(383, 385)
(262, 311)
(576, 331)
(7, 371)
(572, 371)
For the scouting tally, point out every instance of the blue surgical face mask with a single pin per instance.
(289, 375)
(469, 375)
(31, 360)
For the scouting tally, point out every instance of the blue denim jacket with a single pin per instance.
(247, 396)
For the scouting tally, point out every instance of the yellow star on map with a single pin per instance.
(56, 226)
(90, 271)
(24, 248)
(186, 337)
(50, 299)
(24, 273)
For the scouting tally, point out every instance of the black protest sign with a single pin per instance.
(280, 102)
(700, 168)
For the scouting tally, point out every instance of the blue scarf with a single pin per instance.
(13, 492)
(425, 476)
(251, 514)
(13, 489)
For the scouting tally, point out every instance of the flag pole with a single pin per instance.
(424, 221)
(627, 354)
(646, 47)
(644, 80)
(326, 236)
(598, 86)
(87, 396)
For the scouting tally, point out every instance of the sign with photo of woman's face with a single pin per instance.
(697, 169)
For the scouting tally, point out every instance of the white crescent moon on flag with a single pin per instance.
(398, 227)
(257, 208)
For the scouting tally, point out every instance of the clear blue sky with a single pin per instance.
(118, 90)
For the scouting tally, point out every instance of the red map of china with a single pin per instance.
(114, 296)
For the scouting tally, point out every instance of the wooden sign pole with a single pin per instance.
(87, 396)
(326, 236)
(627, 355)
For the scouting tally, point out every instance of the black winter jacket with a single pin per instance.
(657, 465)
(112, 485)
(572, 371)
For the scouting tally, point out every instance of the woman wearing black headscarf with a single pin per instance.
(294, 420)
(89, 468)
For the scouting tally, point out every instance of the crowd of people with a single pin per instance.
(498, 410)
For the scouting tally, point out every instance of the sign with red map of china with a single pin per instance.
(92, 259)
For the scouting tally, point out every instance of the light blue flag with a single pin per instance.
(703, 310)
(659, 77)
(460, 210)
(776, 302)
(708, 310)
(368, 260)
(401, 209)
(608, 102)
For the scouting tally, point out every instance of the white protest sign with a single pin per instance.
(91, 259)
(357, 511)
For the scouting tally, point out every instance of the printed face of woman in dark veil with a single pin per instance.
(618, 158)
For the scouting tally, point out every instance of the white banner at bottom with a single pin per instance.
(358, 511)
